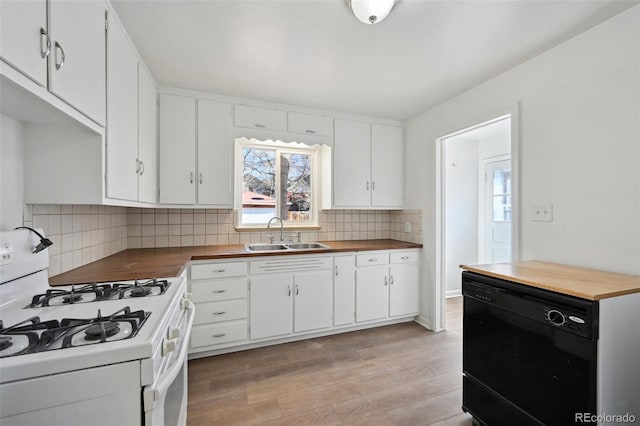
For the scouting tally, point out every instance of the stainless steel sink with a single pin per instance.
(265, 247)
(306, 246)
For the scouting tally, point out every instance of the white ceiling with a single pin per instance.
(316, 54)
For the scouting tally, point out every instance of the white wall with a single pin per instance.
(579, 131)
(461, 205)
(11, 172)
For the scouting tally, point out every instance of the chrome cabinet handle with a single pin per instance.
(297, 290)
(44, 52)
(404, 257)
(367, 185)
(191, 177)
(373, 185)
(336, 270)
(200, 178)
(61, 63)
(219, 335)
(385, 280)
(219, 313)
(391, 280)
(311, 132)
(219, 291)
(218, 271)
(289, 290)
(137, 166)
(141, 168)
(261, 126)
(373, 259)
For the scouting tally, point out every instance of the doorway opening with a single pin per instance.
(476, 202)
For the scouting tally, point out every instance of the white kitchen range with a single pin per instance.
(115, 353)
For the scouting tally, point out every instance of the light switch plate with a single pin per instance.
(543, 213)
(407, 227)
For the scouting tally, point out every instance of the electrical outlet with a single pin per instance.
(407, 227)
(543, 213)
(6, 254)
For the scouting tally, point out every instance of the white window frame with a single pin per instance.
(278, 146)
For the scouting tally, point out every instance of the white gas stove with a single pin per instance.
(89, 346)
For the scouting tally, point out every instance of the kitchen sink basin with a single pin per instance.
(264, 247)
(306, 246)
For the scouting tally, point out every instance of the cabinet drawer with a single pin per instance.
(260, 118)
(405, 257)
(218, 270)
(310, 124)
(215, 334)
(372, 259)
(220, 311)
(214, 290)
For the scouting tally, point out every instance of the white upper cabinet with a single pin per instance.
(215, 171)
(24, 41)
(351, 164)
(367, 165)
(177, 149)
(308, 124)
(123, 164)
(260, 118)
(147, 138)
(77, 65)
(387, 166)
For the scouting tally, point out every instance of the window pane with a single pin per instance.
(295, 196)
(502, 182)
(502, 208)
(258, 185)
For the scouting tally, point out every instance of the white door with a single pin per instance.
(313, 300)
(372, 293)
(215, 171)
(403, 289)
(147, 138)
(344, 290)
(351, 164)
(122, 115)
(177, 149)
(497, 212)
(271, 305)
(77, 65)
(387, 166)
(22, 43)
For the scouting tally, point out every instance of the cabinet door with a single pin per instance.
(271, 305)
(260, 118)
(372, 293)
(122, 115)
(344, 290)
(177, 149)
(387, 166)
(78, 36)
(403, 289)
(215, 171)
(21, 42)
(147, 138)
(308, 124)
(313, 300)
(351, 164)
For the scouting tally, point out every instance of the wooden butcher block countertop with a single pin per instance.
(138, 264)
(585, 283)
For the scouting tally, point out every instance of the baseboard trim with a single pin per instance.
(454, 293)
(424, 321)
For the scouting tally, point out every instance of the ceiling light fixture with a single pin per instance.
(371, 11)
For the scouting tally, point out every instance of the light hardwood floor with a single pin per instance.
(395, 375)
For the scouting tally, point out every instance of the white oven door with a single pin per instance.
(165, 402)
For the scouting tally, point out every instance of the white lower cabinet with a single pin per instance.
(290, 302)
(387, 285)
(344, 290)
(219, 291)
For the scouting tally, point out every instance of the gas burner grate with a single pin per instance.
(23, 338)
(139, 288)
(85, 293)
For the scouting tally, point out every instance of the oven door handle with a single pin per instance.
(153, 393)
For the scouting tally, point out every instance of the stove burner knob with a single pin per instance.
(168, 346)
(173, 333)
(556, 317)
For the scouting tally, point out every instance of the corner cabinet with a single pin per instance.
(66, 54)
(195, 151)
(367, 165)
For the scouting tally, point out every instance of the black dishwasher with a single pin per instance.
(529, 355)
